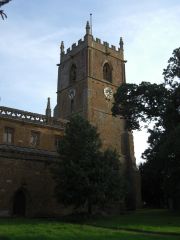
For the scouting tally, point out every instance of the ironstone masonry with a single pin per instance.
(88, 75)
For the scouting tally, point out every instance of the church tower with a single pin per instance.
(88, 75)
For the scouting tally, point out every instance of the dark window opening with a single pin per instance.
(8, 135)
(107, 72)
(57, 142)
(72, 105)
(19, 204)
(73, 73)
(35, 139)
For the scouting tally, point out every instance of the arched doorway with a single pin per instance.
(19, 204)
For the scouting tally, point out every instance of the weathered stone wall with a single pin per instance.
(27, 168)
(89, 56)
(34, 177)
(22, 133)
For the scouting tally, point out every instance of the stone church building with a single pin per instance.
(89, 74)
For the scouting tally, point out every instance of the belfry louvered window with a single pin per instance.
(73, 73)
(107, 72)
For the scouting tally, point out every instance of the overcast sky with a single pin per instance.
(30, 38)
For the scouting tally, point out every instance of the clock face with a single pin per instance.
(71, 93)
(108, 93)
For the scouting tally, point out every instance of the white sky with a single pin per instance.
(30, 38)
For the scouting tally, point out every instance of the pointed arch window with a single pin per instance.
(73, 73)
(107, 72)
(72, 105)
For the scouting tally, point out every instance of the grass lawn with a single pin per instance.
(40, 229)
(146, 220)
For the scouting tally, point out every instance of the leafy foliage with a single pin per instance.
(2, 2)
(86, 177)
(140, 103)
(2, 14)
(158, 104)
(172, 72)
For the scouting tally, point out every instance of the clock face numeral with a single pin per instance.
(108, 93)
(72, 93)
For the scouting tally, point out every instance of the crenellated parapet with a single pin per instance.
(29, 117)
(90, 41)
(76, 47)
(112, 47)
(106, 47)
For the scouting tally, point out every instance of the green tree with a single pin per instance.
(85, 176)
(158, 104)
(2, 14)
